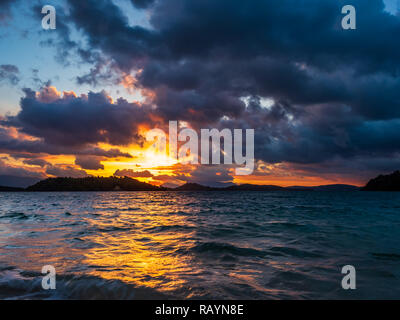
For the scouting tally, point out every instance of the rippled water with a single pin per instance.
(217, 245)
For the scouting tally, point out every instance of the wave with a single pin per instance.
(386, 256)
(295, 252)
(169, 228)
(14, 215)
(16, 285)
(225, 248)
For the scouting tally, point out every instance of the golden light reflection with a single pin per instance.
(146, 258)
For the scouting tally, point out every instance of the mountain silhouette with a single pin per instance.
(194, 187)
(129, 184)
(93, 184)
(390, 182)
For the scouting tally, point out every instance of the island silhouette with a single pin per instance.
(389, 182)
(129, 184)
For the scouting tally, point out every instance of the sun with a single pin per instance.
(153, 159)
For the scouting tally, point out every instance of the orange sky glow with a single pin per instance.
(158, 167)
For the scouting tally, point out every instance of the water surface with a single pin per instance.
(198, 245)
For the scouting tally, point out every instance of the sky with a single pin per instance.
(78, 100)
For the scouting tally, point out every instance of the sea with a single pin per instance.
(200, 245)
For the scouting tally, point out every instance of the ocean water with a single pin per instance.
(200, 245)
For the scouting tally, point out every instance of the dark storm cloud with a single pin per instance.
(36, 162)
(203, 56)
(65, 171)
(133, 174)
(77, 121)
(307, 31)
(102, 73)
(333, 93)
(89, 162)
(107, 29)
(9, 73)
(317, 134)
(28, 148)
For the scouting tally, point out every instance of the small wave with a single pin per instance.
(113, 228)
(169, 228)
(17, 285)
(295, 252)
(14, 215)
(299, 282)
(129, 209)
(225, 248)
(386, 256)
(289, 225)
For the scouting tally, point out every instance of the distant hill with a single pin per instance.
(195, 187)
(92, 184)
(254, 187)
(242, 187)
(390, 182)
(10, 189)
(129, 184)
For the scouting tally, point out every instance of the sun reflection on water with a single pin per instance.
(141, 255)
